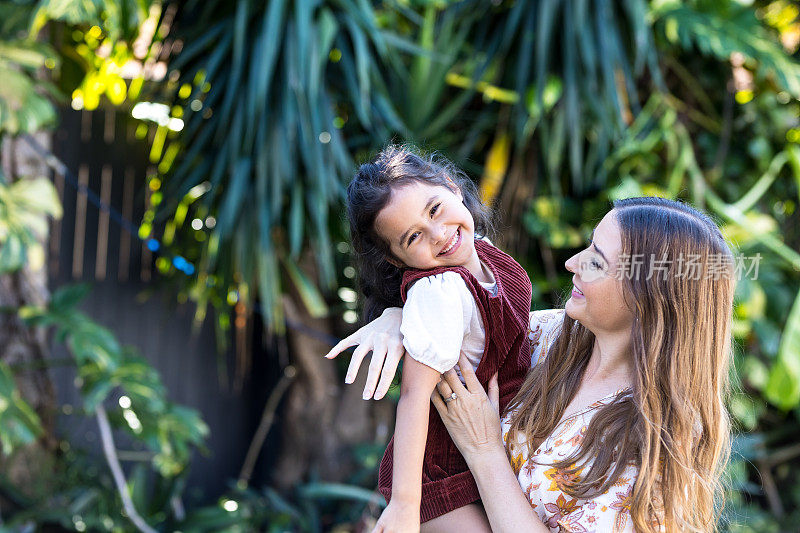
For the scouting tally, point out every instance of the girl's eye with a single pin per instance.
(412, 237)
(434, 209)
(596, 265)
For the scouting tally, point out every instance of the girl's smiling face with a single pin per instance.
(427, 226)
(597, 299)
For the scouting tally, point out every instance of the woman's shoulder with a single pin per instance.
(543, 317)
(546, 321)
(543, 328)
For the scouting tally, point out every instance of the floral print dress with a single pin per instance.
(542, 483)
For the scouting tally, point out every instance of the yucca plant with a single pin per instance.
(281, 99)
(262, 129)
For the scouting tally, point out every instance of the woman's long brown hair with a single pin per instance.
(673, 426)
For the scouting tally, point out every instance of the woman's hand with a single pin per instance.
(382, 337)
(473, 421)
(472, 418)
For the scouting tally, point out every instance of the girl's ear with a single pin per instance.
(394, 262)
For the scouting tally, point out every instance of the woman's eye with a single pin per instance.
(434, 209)
(596, 265)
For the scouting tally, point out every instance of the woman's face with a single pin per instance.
(597, 300)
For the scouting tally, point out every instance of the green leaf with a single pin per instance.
(783, 385)
(571, 102)
(197, 46)
(95, 394)
(768, 239)
(12, 254)
(119, 19)
(722, 32)
(22, 108)
(19, 423)
(296, 221)
(26, 54)
(65, 298)
(793, 152)
(341, 491)
(309, 294)
(362, 67)
(749, 199)
(37, 195)
(235, 195)
(271, 34)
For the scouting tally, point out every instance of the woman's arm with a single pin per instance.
(506, 505)
(473, 421)
(382, 337)
(410, 436)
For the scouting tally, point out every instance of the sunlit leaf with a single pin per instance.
(310, 295)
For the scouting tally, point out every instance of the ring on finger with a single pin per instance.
(450, 398)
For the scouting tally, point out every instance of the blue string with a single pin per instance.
(50, 159)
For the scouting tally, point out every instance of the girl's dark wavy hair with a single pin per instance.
(370, 190)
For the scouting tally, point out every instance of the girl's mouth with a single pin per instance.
(576, 292)
(453, 245)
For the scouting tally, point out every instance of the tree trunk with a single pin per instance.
(21, 346)
(323, 417)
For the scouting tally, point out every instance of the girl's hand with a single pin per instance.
(473, 418)
(398, 517)
(382, 337)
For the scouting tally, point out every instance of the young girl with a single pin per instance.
(416, 223)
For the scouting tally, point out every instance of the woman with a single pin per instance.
(620, 424)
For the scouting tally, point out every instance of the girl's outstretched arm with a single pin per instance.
(382, 337)
(410, 435)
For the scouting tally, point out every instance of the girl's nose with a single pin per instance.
(442, 234)
(439, 234)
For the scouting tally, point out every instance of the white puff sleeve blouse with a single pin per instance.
(440, 320)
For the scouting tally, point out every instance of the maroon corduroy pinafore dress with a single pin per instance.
(447, 483)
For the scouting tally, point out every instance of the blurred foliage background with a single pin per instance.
(256, 115)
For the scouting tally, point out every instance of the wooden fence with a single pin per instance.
(101, 150)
